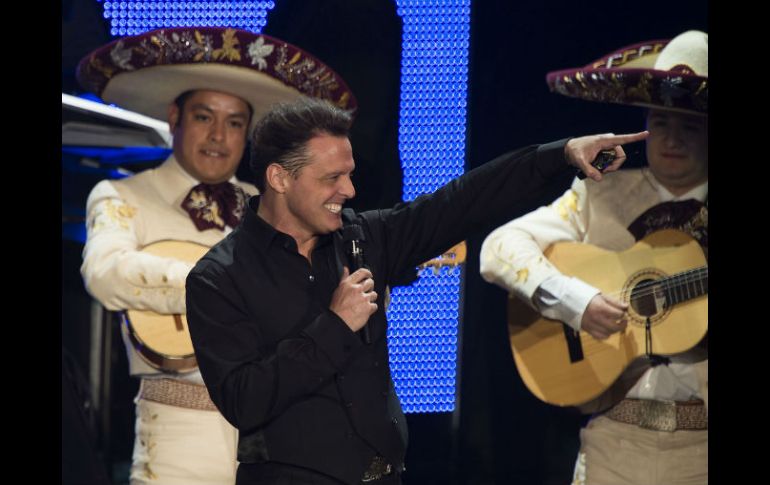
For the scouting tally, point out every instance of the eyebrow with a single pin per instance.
(665, 116)
(338, 172)
(205, 107)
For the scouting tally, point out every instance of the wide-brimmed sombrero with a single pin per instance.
(668, 74)
(146, 72)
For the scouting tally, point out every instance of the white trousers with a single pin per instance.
(613, 453)
(180, 446)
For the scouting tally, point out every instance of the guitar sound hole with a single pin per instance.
(648, 298)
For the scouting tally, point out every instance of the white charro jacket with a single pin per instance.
(124, 216)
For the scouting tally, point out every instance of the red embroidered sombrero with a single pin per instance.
(146, 72)
(661, 74)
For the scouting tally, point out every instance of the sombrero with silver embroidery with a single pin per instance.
(146, 72)
(665, 74)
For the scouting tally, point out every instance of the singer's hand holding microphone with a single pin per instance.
(354, 300)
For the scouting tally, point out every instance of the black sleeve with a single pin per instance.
(426, 227)
(250, 391)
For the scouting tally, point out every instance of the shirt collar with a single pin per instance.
(698, 193)
(265, 235)
(176, 182)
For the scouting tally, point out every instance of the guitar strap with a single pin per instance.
(689, 216)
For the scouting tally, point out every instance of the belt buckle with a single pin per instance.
(658, 415)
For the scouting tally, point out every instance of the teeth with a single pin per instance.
(333, 208)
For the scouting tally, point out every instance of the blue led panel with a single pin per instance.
(131, 17)
(423, 318)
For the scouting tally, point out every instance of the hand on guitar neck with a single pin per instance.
(604, 316)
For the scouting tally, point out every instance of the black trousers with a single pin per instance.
(272, 473)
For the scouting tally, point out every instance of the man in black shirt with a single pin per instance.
(274, 310)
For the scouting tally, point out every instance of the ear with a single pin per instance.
(277, 178)
(173, 116)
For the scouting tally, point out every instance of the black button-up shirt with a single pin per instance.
(300, 386)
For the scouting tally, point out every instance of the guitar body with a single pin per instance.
(540, 346)
(163, 341)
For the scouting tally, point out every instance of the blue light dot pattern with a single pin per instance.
(132, 17)
(423, 318)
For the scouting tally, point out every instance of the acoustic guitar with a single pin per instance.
(163, 341)
(451, 258)
(663, 277)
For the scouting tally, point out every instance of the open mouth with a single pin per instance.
(214, 153)
(333, 208)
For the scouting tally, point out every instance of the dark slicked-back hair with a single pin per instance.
(281, 136)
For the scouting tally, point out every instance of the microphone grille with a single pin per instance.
(352, 232)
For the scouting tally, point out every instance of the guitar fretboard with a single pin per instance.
(686, 285)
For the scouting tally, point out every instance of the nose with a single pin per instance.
(217, 131)
(347, 189)
(673, 136)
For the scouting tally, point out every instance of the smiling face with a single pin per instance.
(315, 194)
(209, 134)
(677, 149)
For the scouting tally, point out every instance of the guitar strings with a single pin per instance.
(669, 282)
(674, 282)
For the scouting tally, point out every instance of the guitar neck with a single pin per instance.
(685, 285)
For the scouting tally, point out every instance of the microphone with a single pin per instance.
(603, 160)
(352, 235)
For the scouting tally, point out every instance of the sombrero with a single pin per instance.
(146, 72)
(665, 74)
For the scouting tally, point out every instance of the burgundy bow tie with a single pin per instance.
(215, 206)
